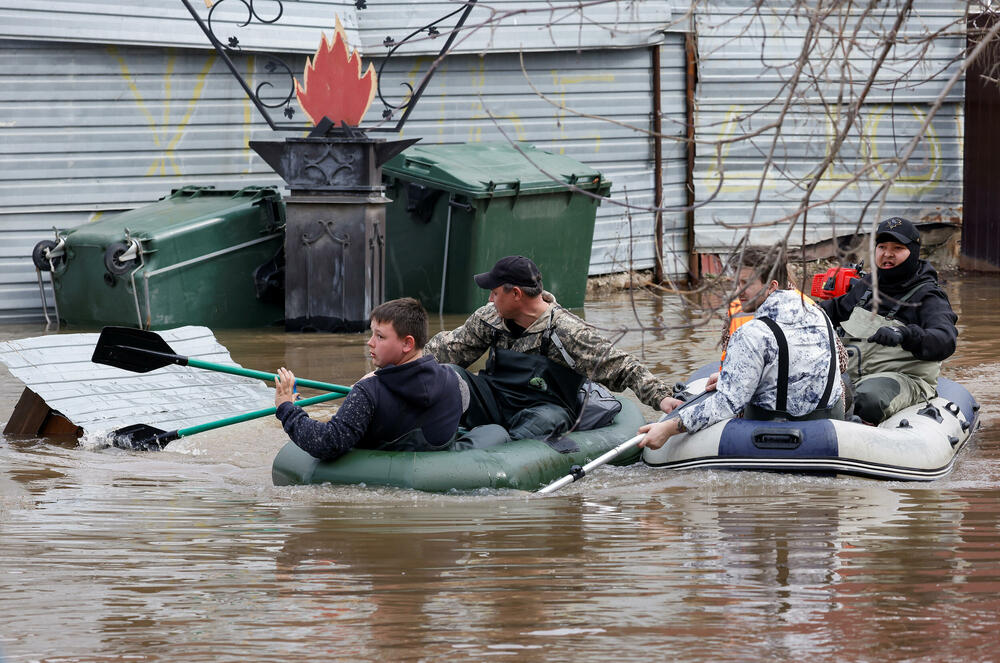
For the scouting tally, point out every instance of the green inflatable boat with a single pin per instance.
(521, 465)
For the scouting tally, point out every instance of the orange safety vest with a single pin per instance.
(737, 318)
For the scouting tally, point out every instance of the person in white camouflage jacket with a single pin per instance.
(540, 354)
(754, 379)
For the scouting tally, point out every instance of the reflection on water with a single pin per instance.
(192, 555)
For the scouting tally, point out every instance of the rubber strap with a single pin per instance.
(891, 314)
(562, 349)
(549, 335)
(832, 373)
(781, 400)
(902, 300)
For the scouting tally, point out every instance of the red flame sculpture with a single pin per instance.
(333, 86)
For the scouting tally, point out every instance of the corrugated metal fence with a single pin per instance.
(747, 73)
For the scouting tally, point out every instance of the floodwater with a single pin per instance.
(192, 555)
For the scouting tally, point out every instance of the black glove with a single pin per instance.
(891, 336)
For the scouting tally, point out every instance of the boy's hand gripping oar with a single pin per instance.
(576, 472)
(144, 437)
(142, 351)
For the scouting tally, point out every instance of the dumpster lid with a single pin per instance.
(183, 207)
(483, 170)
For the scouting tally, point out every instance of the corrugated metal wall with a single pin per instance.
(169, 23)
(520, 25)
(91, 129)
(746, 70)
(513, 25)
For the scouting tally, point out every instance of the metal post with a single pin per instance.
(691, 80)
(41, 291)
(657, 169)
(444, 266)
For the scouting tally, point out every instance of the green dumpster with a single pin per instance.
(457, 209)
(198, 256)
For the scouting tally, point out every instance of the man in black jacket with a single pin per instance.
(897, 340)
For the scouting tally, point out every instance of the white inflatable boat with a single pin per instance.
(919, 443)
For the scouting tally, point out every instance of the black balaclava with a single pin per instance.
(898, 229)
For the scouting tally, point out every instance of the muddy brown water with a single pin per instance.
(192, 554)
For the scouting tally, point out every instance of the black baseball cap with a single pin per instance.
(512, 270)
(897, 229)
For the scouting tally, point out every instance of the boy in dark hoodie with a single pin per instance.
(410, 403)
(896, 343)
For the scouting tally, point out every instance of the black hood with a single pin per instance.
(897, 281)
(417, 382)
(901, 231)
(896, 278)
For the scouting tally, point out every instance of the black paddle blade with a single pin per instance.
(141, 437)
(135, 350)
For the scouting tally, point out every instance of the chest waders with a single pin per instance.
(513, 382)
(824, 410)
(866, 359)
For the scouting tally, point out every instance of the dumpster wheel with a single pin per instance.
(129, 250)
(40, 255)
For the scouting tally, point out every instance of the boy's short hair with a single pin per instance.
(768, 263)
(407, 317)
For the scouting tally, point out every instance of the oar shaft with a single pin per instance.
(261, 375)
(597, 462)
(147, 438)
(579, 472)
(256, 414)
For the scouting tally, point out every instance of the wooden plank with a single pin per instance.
(33, 417)
(56, 425)
(28, 415)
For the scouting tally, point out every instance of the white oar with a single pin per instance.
(576, 472)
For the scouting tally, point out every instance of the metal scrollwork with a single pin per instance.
(393, 45)
(324, 163)
(233, 43)
(325, 228)
(274, 65)
(277, 67)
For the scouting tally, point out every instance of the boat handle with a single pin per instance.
(777, 438)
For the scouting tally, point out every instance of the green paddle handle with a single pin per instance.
(261, 375)
(256, 414)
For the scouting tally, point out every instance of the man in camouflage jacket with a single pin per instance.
(522, 324)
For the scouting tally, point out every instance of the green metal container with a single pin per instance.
(198, 256)
(457, 209)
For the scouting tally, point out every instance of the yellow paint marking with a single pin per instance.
(835, 176)
(165, 137)
(928, 180)
(581, 78)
